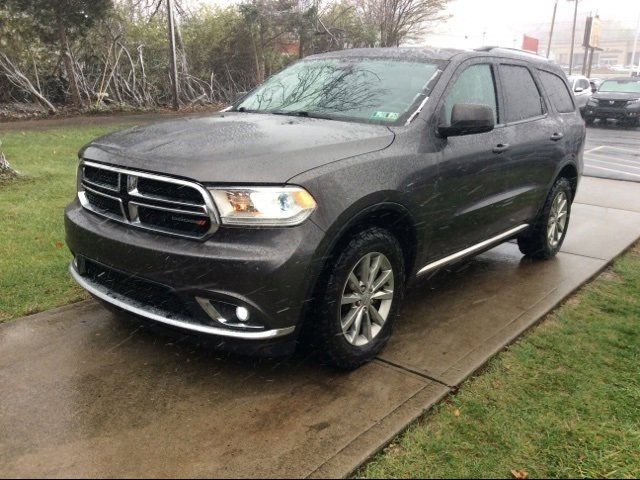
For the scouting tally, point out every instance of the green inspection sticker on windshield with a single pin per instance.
(385, 115)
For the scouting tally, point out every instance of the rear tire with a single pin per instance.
(544, 238)
(353, 319)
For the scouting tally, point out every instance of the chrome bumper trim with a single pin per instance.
(158, 315)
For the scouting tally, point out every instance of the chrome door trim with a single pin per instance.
(473, 249)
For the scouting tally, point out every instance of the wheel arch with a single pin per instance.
(389, 215)
(570, 172)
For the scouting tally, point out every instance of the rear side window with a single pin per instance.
(557, 91)
(474, 85)
(583, 84)
(521, 95)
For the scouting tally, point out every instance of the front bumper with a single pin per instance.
(625, 113)
(185, 322)
(267, 271)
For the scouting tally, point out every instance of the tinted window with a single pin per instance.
(522, 98)
(557, 91)
(475, 85)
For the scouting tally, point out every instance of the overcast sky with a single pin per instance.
(505, 21)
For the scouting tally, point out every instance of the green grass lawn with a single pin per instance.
(562, 402)
(33, 255)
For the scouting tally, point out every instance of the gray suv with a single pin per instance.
(300, 213)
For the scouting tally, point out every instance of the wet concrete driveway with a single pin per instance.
(83, 393)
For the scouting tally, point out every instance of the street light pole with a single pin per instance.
(573, 35)
(553, 24)
(635, 49)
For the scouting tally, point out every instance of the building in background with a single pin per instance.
(616, 44)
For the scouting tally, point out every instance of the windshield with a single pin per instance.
(371, 90)
(622, 86)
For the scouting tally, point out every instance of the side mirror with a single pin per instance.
(579, 90)
(468, 119)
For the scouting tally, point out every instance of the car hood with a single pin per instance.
(616, 96)
(237, 147)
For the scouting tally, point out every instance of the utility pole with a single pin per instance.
(573, 35)
(172, 55)
(553, 24)
(587, 43)
(635, 50)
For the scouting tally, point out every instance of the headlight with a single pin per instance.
(263, 206)
(633, 102)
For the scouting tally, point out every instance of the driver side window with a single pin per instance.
(475, 85)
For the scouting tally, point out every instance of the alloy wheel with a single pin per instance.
(366, 299)
(557, 219)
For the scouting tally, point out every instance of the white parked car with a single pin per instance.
(581, 88)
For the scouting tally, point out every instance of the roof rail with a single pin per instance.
(516, 50)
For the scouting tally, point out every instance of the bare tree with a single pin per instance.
(20, 80)
(400, 20)
(59, 19)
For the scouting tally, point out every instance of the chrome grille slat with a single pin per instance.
(173, 216)
(84, 199)
(113, 188)
(202, 213)
(135, 193)
(100, 185)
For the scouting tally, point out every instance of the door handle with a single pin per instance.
(557, 136)
(501, 148)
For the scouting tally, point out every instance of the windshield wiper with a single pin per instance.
(301, 113)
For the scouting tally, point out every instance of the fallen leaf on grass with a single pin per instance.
(520, 474)
(59, 245)
(456, 412)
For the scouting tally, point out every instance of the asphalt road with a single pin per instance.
(613, 152)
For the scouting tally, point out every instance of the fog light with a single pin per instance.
(242, 314)
(229, 315)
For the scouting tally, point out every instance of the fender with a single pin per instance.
(355, 214)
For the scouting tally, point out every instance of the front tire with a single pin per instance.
(544, 238)
(359, 300)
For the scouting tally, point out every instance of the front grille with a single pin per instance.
(102, 178)
(149, 201)
(104, 204)
(173, 220)
(612, 103)
(163, 190)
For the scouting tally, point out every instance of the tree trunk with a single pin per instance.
(68, 64)
(172, 57)
(256, 59)
(6, 172)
